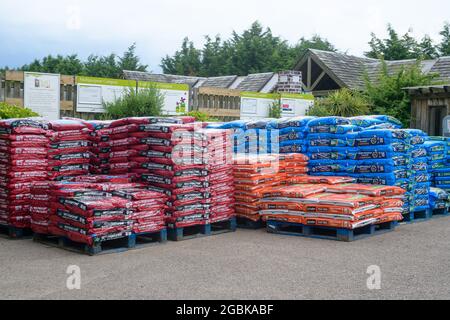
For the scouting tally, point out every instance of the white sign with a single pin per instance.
(295, 105)
(93, 93)
(42, 94)
(256, 105)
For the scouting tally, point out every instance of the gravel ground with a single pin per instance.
(414, 262)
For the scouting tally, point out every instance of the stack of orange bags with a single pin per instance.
(316, 202)
(253, 174)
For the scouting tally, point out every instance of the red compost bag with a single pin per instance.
(321, 180)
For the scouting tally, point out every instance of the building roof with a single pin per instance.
(423, 90)
(219, 82)
(253, 82)
(350, 71)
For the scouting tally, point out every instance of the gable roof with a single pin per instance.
(255, 82)
(349, 71)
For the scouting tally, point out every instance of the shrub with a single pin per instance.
(200, 116)
(275, 110)
(8, 111)
(143, 103)
(343, 103)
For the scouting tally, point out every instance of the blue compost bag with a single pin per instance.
(435, 147)
(293, 146)
(238, 124)
(388, 119)
(373, 152)
(300, 122)
(320, 166)
(388, 134)
(381, 179)
(419, 165)
(421, 177)
(328, 121)
(378, 166)
(326, 140)
(335, 129)
(422, 189)
(326, 153)
(365, 122)
(258, 124)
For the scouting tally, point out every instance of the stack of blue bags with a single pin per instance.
(439, 199)
(419, 188)
(288, 135)
(327, 145)
(439, 161)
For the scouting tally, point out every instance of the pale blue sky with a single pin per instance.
(30, 28)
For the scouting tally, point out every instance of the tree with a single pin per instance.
(427, 49)
(186, 61)
(101, 66)
(316, 42)
(394, 47)
(343, 103)
(444, 46)
(255, 50)
(65, 65)
(386, 93)
(109, 66)
(129, 60)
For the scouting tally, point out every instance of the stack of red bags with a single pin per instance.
(86, 215)
(69, 152)
(23, 161)
(192, 165)
(112, 147)
(148, 209)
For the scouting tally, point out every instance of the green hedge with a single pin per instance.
(8, 111)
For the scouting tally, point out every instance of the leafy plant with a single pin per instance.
(275, 110)
(344, 103)
(8, 111)
(200, 116)
(141, 103)
(386, 94)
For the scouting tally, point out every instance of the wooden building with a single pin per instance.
(429, 106)
(324, 71)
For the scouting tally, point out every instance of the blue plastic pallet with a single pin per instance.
(12, 232)
(150, 239)
(119, 243)
(244, 223)
(418, 216)
(225, 226)
(440, 213)
(328, 233)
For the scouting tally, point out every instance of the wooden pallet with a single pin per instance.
(199, 231)
(11, 232)
(418, 216)
(120, 242)
(187, 233)
(224, 226)
(244, 223)
(150, 239)
(328, 233)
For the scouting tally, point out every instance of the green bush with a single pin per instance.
(147, 102)
(387, 95)
(200, 116)
(343, 103)
(8, 111)
(275, 110)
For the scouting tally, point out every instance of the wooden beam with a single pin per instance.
(68, 80)
(14, 76)
(308, 79)
(314, 85)
(221, 112)
(219, 92)
(14, 101)
(66, 105)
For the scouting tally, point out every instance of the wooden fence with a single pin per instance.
(223, 104)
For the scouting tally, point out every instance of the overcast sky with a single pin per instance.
(32, 29)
